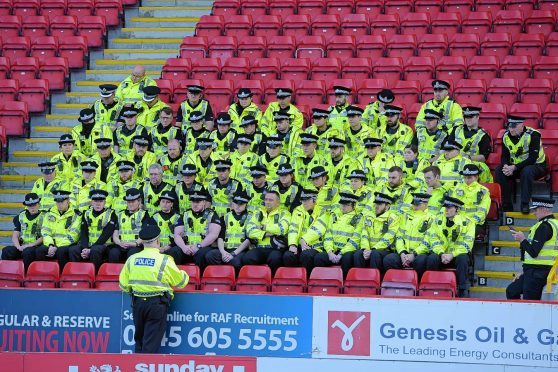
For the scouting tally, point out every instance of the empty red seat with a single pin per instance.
(238, 25)
(483, 67)
(446, 24)
(407, 92)
(176, 69)
(492, 118)
(438, 284)
(11, 273)
(464, 45)
(254, 8)
(56, 71)
(495, 200)
(210, 25)
(310, 92)
(167, 89)
(528, 45)
(370, 7)
(523, 5)
(458, 6)
(510, 21)
(412, 113)
(415, 23)
(10, 26)
(325, 281)
(44, 47)
(225, 7)
(356, 68)
(451, 68)
(470, 91)
(370, 46)
(432, 7)
(16, 47)
(311, 47)
(77, 275)
(219, 93)
(81, 8)
(325, 24)
(550, 116)
(384, 24)
(265, 68)
(530, 111)
(398, 6)
(14, 116)
(5, 7)
(222, 47)
(74, 48)
(361, 281)
(490, 5)
(389, 68)
(537, 91)
(194, 278)
(341, 7)
(251, 47)
(432, 45)
(295, 68)
(34, 26)
(62, 26)
(194, 47)
(326, 68)
(282, 8)
(24, 68)
(502, 91)
(35, 93)
(296, 25)
(8, 90)
(368, 89)
(354, 24)
(546, 67)
(108, 277)
(341, 46)
(552, 45)
(399, 283)
(181, 89)
(256, 86)
(53, 8)
(206, 69)
(540, 21)
(111, 9)
(289, 280)
(515, 67)
(94, 29)
(403, 46)
(26, 8)
(496, 44)
(281, 46)
(477, 23)
(419, 68)
(311, 6)
(548, 5)
(42, 274)
(235, 69)
(267, 25)
(254, 278)
(218, 278)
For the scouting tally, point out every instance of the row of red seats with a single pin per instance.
(35, 28)
(110, 10)
(55, 70)
(369, 46)
(324, 281)
(480, 23)
(34, 92)
(286, 7)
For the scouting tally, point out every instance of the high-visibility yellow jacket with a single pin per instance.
(160, 137)
(70, 168)
(396, 140)
(275, 223)
(455, 239)
(303, 166)
(338, 116)
(171, 168)
(412, 231)
(272, 165)
(379, 232)
(267, 124)
(142, 164)
(301, 222)
(338, 172)
(44, 191)
(429, 144)
(63, 229)
(237, 117)
(130, 92)
(324, 137)
(222, 194)
(376, 169)
(355, 140)
(117, 191)
(107, 115)
(453, 114)
(241, 164)
(80, 193)
(344, 232)
(450, 168)
(476, 199)
(111, 172)
(206, 168)
(86, 145)
(122, 138)
(149, 116)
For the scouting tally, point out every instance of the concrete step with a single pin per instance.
(33, 144)
(519, 219)
(168, 22)
(502, 263)
(60, 120)
(49, 131)
(505, 234)
(90, 86)
(115, 75)
(13, 195)
(175, 11)
(133, 54)
(147, 43)
(81, 97)
(128, 64)
(493, 278)
(6, 223)
(154, 31)
(32, 156)
(504, 248)
(17, 181)
(11, 208)
(487, 292)
(20, 167)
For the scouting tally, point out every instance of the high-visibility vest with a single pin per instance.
(61, 230)
(429, 145)
(471, 144)
(272, 165)
(80, 189)
(223, 145)
(149, 116)
(97, 224)
(549, 251)
(343, 233)
(107, 116)
(183, 194)
(166, 225)
(86, 145)
(171, 168)
(519, 151)
(222, 196)
(30, 228)
(117, 191)
(151, 198)
(129, 225)
(196, 226)
(160, 139)
(235, 229)
(45, 191)
(187, 110)
(251, 109)
(124, 141)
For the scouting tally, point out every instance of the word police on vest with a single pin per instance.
(190, 367)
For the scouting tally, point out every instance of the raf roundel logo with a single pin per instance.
(348, 333)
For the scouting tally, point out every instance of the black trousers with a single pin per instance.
(530, 284)
(117, 254)
(180, 258)
(96, 254)
(461, 264)
(150, 319)
(527, 176)
(291, 259)
(376, 260)
(28, 254)
(307, 259)
(322, 260)
(214, 257)
(259, 256)
(393, 261)
(62, 254)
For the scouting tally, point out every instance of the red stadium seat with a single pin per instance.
(222, 47)
(369, 88)
(550, 116)
(370, 7)
(63, 26)
(16, 47)
(206, 69)
(265, 68)
(464, 45)
(432, 45)
(490, 5)
(403, 46)
(552, 45)
(483, 67)
(341, 46)
(470, 91)
(219, 93)
(416, 23)
(256, 86)
(238, 25)
(11, 273)
(296, 24)
(311, 47)
(35, 93)
(389, 68)
(326, 25)
(478, 22)
(44, 47)
(194, 278)
(495, 200)
(325, 281)
(56, 71)
(438, 284)
(412, 113)
(53, 8)
(289, 280)
(167, 89)
(310, 92)
(77, 275)
(181, 90)
(361, 281)
(502, 91)
(407, 92)
(398, 6)
(8, 90)
(254, 278)
(235, 69)
(496, 44)
(194, 47)
(354, 24)
(548, 5)
(210, 25)
(10, 26)
(458, 6)
(267, 25)
(225, 7)
(431, 7)
(34, 26)
(218, 278)
(492, 118)
(14, 116)
(540, 21)
(384, 24)
(399, 283)
(5, 7)
(254, 8)
(74, 49)
(371, 46)
(515, 67)
(94, 29)
(26, 8)
(446, 24)
(330, 94)
(282, 8)
(111, 9)
(42, 274)
(546, 67)
(176, 69)
(537, 91)
(528, 45)
(251, 47)
(81, 8)
(24, 68)
(311, 6)
(530, 111)
(326, 68)
(523, 5)
(341, 7)
(107, 277)
(281, 46)
(451, 67)
(295, 68)
(419, 68)
(510, 21)
(356, 68)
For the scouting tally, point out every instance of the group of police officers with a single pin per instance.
(356, 188)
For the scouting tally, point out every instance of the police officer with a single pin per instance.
(342, 237)
(69, 159)
(365, 193)
(289, 134)
(195, 131)
(222, 187)
(125, 180)
(106, 160)
(26, 236)
(130, 90)
(141, 157)
(166, 218)
(84, 184)
(356, 132)
(435, 188)
(50, 181)
(338, 112)
(451, 163)
(171, 162)
(397, 190)
(196, 233)
(374, 112)
(187, 186)
(451, 114)
(125, 236)
(257, 189)
(308, 160)
(412, 167)
(149, 277)
(475, 197)
(523, 157)
(153, 189)
(88, 131)
(243, 108)
(289, 190)
(150, 107)
(538, 252)
(97, 226)
(204, 160)
(396, 135)
(340, 163)
(194, 102)
(450, 240)
(61, 229)
(243, 159)
(322, 128)
(268, 229)
(162, 133)
(233, 241)
(122, 136)
(224, 136)
(430, 137)
(327, 200)
(283, 103)
(107, 108)
(375, 162)
(409, 250)
(273, 157)
(249, 126)
(378, 234)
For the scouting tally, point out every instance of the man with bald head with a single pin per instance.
(172, 162)
(130, 89)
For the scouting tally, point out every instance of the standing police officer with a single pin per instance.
(149, 277)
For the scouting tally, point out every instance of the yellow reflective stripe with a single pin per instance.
(149, 294)
(185, 277)
(162, 268)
